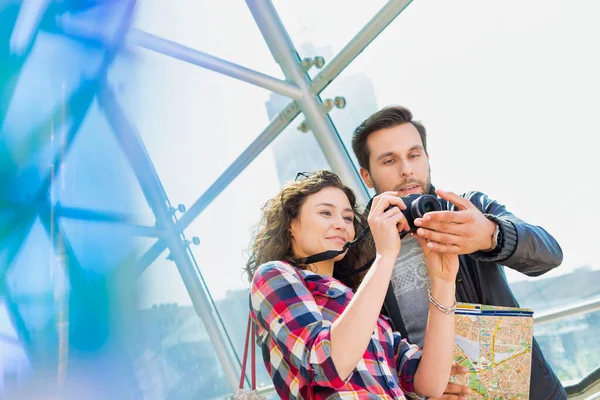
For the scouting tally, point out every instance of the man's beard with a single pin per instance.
(425, 186)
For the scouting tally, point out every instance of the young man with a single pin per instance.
(391, 149)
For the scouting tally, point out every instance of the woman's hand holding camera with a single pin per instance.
(386, 221)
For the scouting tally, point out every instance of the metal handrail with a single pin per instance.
(581, 307)
(584, 384)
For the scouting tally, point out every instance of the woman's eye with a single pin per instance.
(325, 213)
(348, 219)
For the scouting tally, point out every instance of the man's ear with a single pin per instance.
(366, 177)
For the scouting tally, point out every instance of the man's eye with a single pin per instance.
(415, 155)
(388, 161)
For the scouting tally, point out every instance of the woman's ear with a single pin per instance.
(294, 227)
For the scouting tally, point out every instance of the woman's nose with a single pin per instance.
(339, 223)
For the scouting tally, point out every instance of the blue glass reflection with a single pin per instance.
(61, 313)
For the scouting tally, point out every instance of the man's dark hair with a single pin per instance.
(387, 117)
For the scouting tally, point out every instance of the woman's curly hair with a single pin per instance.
(272, 237)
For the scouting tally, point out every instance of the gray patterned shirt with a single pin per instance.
(410, 281)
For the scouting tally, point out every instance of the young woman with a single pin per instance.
(318, 337)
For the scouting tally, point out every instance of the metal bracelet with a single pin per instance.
(442, 308)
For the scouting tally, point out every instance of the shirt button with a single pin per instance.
(331, 292)
(381, 359)
(280, 320)
(391, 383)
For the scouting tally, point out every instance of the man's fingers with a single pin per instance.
(444, 248)
(437, 247)
(442, 223)
(455, 389)
(458, 370)
(445, 217)
(455, 392)
(439, 237)
(460, 202)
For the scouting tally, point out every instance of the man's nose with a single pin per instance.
(405, 168)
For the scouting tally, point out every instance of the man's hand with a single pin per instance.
(454, 391)
(458, 232)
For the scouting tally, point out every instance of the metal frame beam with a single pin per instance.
(16, 318)
(156, 197)
(136, 37)
(358, 43)
(83, 214)
(252, 151)
(285, 54)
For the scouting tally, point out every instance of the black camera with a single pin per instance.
(418, 205)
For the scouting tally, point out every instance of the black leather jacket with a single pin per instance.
(526, 248)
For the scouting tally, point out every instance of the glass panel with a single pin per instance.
(293, 151)
(224, 227)
(14, 364)
(103, 247)
(571, 345)
(6, 219)
(187, 118)
(35, 276)
(172, 353)
(323, 28)
(36, 267)
(224, 29)
(553, 292)
(96, 175)
(46, 81)
(40, 98)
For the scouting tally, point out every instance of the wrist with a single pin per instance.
(386, 257)
(491, 241)
(442, 303)
(443, 291)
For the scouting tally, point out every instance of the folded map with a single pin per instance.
(495, 344)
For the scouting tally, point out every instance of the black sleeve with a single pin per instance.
(526, 248)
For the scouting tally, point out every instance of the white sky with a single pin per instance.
(509, 93)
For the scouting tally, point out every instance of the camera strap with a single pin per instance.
(329, 254)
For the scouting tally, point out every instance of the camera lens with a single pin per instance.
(427, 207)
(424, 204)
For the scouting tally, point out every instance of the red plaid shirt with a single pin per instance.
(294, 318)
